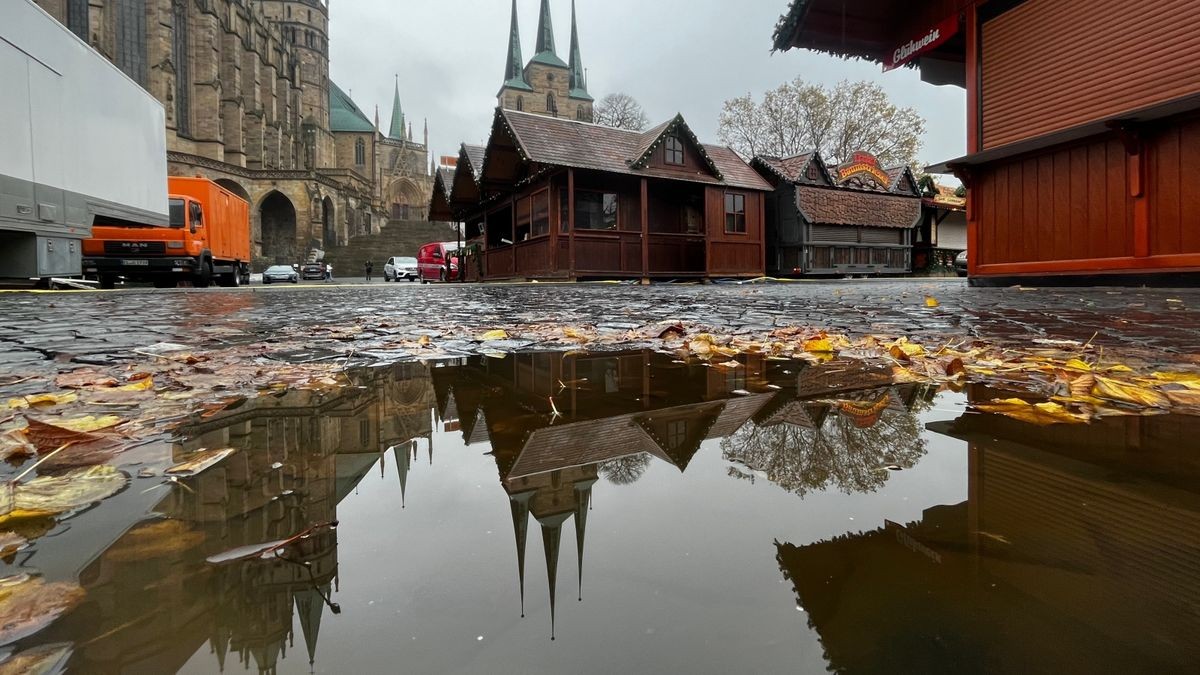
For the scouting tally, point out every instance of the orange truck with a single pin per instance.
(207, 242)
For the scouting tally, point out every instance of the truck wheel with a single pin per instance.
(205, 278)
(108, 281)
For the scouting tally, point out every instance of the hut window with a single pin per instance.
(541, 213)
(360, 152)
(674, 150)
(593, 210)
(811, 172)
(735, 213)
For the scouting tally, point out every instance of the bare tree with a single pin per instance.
(799, 117)
(620, 111)
(625, 470)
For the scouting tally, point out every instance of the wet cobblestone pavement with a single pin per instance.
(98, 328)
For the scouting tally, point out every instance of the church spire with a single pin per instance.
(551, 538)
(578, 79)
(545, 34)
(397, 130)
(514, 68)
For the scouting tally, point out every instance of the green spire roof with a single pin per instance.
(578, 80)
(545, 41)
(397, 130)
(514, 74)
(344, 115)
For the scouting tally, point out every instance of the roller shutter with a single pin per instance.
(1049, 65)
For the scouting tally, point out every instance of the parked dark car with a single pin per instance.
(960, 264)
(280, 273)
(312, 271)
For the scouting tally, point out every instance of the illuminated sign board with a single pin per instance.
(864, 163)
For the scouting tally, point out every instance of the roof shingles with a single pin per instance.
(559, 142)
(838, 206)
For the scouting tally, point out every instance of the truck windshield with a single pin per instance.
(176, 213)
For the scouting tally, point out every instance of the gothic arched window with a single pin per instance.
(183, 80)
(520, 103)
(551, 105)
(131, 39)
(360, 152)
(77, 18)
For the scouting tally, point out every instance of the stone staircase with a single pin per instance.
(397, 238)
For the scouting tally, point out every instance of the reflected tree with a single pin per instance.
(840, 453)
(625, 470)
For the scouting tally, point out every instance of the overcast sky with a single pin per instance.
(685, 56)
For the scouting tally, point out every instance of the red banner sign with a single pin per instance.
(927, 41)
(864, 163)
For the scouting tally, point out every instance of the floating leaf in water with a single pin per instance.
(55, 494)
(199, 462)
(1129, 393)
(10, 543)
(40, 660)
(266, 550)
(1042, 414)
(155, 540)
(88, 423)
(38, 400)
(28, 604)
(83, 448)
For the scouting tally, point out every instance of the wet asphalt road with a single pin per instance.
(95, 326)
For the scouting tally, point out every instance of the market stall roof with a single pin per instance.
(878, 30)
(856, 207)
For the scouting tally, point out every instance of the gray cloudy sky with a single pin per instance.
(685, 56)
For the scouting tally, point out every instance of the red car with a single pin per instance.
(438, 261)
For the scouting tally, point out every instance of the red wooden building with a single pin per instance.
(1083, 125)
(552, 198)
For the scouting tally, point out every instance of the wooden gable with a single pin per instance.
(653, 152)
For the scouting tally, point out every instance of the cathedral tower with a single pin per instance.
(546, 85)
(305, 24)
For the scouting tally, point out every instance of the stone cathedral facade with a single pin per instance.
(249, 104)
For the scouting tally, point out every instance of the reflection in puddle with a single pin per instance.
(973, 542)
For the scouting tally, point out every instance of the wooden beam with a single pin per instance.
(645, 231)
(570, 222)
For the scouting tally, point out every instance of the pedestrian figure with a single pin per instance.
(329, 273)
(369, 267)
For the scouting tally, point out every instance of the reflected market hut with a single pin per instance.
(857, 218)
(552, 198)
(1082, 128)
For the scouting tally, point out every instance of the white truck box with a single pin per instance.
(79, 140)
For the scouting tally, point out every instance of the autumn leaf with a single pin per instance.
(1042, 414)
(818, 346)
(67, 492)
(574, 334)
(931, 301)
(425, 341)
(28, 604)
(494, 335)
(199, 462)
(1129, 393)
(144, 384)
(83, 448)
(1184, 398)
(88, 423)
(1078, 365)
(42, 660)
(155, 540)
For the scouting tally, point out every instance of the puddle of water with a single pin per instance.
(630, 513)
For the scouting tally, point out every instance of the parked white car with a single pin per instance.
(397, 268)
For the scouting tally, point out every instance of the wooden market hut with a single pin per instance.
(1083, 125)
(858, 218)
(559, 199)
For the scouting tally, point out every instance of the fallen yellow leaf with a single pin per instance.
(1042, 414)
(1120, 391)
(89, 423)
(494, 335)
(931, 301)
(818, 346)
(1076, 364)
(144, 384)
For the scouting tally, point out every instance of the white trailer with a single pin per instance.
(80, 143)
